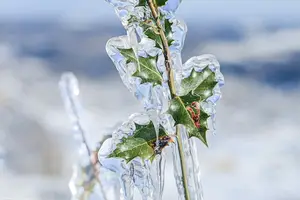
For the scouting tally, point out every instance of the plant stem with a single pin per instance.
(77, 123)
(182, 163)
(166, 50)
(168, 64)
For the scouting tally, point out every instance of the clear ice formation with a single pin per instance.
(89, 180)
(139, 174)
(146, 176)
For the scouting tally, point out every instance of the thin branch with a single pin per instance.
(69, 87)
(166, 50)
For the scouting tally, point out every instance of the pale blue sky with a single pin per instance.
(95, 10)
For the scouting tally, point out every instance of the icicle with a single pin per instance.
(127, 184)
(190, 165)
(160, 175)
(119, 167)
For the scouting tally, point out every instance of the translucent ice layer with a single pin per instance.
(141, 58)
(146, 176)
(88, 179)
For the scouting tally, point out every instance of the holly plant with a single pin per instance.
(185, 109)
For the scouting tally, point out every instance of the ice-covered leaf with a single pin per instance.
(168, 31)
(157, 2)
(142, 3)
(146, 67)
(147, 132)
(131, 148)
(152, 32)
(141, 143)
(186, 109)
(161, 2)
(200, 84)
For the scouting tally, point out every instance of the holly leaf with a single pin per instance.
(131, 148)
(199, 84)
(148, 133)
(153, 34)
(186, 109)
(161, 2)
(142, 3)
(168, 31)
(157, 2)
(140, 144)
(146, 67)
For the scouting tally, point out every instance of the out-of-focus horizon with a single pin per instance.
(78, 11)
(255, 154)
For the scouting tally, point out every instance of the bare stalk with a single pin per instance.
(168, 64)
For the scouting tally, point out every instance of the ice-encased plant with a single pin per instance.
(86, 182)
(179, 101)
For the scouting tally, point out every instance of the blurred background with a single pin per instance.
(255, 154)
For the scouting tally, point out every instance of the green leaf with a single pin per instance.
(199, 84)
(168, 31)
(146, 67)
(140, 144)
(157, 2)
(182, 116)
(142, 3)
(186, 109)
(161, 2)
(147, 132)
(131, 148)
(153, 34)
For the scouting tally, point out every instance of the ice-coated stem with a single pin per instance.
(166, 50)
(182, 163)
(70, 91)
(168, 64)
(160, 175)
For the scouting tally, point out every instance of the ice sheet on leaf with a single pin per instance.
(143, 175)
(198, 63)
